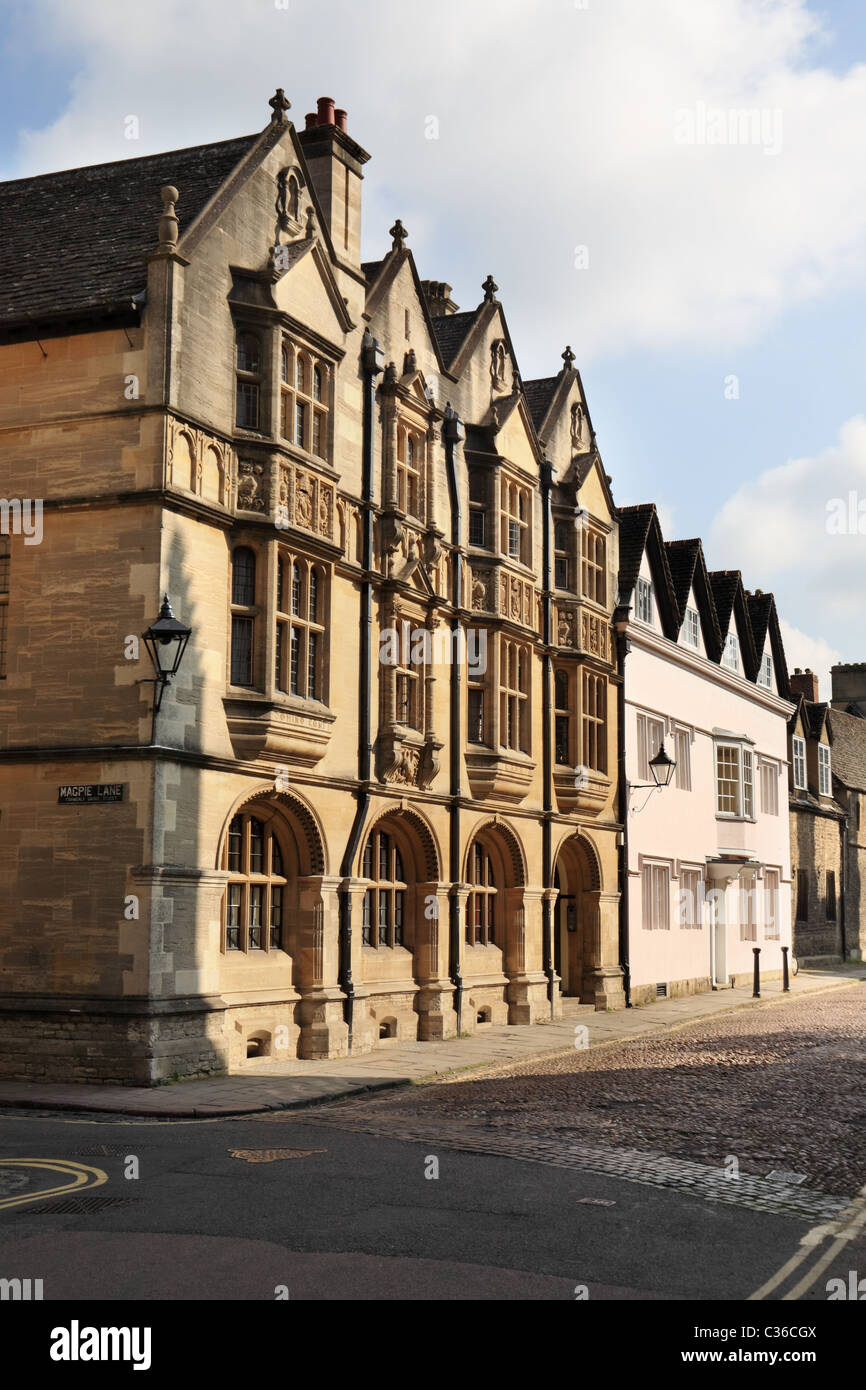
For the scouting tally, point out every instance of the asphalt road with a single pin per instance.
(352, 1216)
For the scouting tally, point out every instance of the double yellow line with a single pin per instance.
(82, 1175)
(845, 1228)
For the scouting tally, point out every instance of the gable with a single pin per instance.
(593, 494)
(398, 317)
(514, 442)
(305, 292)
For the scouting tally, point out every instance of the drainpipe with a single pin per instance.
(372, 364)
(622, 648)
(453, 433)
(547, 765)
(843, 881)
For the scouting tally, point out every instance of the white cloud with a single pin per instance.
(556, 129)
(809, 653)
(783, 531)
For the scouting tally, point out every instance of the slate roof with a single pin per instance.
(682, 557)
(371, 269)
(74, 242)
(539, 394)
(760, 606)
(451, 332)
(849, 749)
(634, 524)
(724, 584)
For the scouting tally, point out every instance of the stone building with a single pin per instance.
(380, 796)
(847, 720)
(817, 826)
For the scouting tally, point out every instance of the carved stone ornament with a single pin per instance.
(251, 486)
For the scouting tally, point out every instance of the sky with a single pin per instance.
(676, 189)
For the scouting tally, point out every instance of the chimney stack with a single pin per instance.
(848, 684)
(805, 683)
(336, 163)
(437, 296)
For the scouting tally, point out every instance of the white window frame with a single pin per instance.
(825, 778)
(655, 895)
(772, 901)
(798, 757)
(731, 654)
(765, 675)
(745, 780)
(682, 741)
(769, 773)
(691, 897)
(692, 627)
(646, 746)
(644, 608)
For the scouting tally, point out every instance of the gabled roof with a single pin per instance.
(74, 242)
(539, 394)
(451, 332)
(849, 749)
(639, 532)
(689, 574)
(730, 600)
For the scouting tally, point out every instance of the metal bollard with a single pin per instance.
(786, 984)
(756, 987)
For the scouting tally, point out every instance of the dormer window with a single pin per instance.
(825, 782)
(644, 606)
(304, 393)
(731, 654)
(248, 381)
(593, 565)
(409, 454)
(798, 749)
(692, 628)
(765, 675)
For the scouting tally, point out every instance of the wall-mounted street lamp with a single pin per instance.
(166, 641)
(662, 768)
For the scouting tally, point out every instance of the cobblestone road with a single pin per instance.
(781, 1087)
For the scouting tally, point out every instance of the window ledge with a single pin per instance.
(298, 732)
(502, 774)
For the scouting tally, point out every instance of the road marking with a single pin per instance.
(848, 1225)
(271, 1155)
(82, 1174)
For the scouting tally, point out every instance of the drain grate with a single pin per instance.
(78, 1206)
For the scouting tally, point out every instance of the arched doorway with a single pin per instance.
(577, 881)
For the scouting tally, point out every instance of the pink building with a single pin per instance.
(707, 858)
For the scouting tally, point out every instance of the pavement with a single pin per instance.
(269, 1085)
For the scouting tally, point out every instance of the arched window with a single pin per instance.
(481, 904)
(594, 722)
(254, 906)
(304, 402)
(5, 562)
(249, 378)
(300, 634)
(384, 911)
(514, 696)
(243, 616)
(408, 471)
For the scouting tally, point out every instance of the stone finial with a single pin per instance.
(390, 378)
(399, 233)
(410, 362)
(168, 220)
(279, 105)
(490, 287)
(568, 359)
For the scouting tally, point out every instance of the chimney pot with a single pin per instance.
(312, 120)
(342, 118)
(805, 683)
(326, 110)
